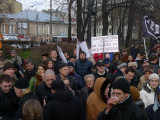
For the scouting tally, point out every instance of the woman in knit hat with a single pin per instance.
(146, 72)
(148, 89)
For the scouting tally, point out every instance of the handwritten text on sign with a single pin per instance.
(105, 44)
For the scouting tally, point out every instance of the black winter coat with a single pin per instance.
(57, 66)
(43, 92)
(124, 111)
(29, 74)
(83, 68)
(8, 103)
(63, 106)
(18, 114)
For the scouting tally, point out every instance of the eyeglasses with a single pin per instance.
(116, 93)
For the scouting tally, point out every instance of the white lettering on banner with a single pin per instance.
(102, 44)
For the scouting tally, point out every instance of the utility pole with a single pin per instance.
(89, 35)
(50, 20)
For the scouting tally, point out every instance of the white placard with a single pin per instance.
(102, 44)
(61, 54)
(84, 48)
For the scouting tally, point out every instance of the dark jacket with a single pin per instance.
(8, 103)
(151, 114)
(56, 66)
(117, 74)
(83, 68)
(106, 75)
(124, 111)
(84, 93)
(18, 114)
(63, 106)
(155, 67)
(72, 83)
(43, 92)
(29, 74)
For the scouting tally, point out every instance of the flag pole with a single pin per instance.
(144, 40)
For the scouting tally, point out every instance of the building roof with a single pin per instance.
(32, 15)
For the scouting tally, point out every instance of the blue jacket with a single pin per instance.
(151, 114)
(83, 67)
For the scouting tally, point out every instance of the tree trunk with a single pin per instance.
(95, 20)
(69, 20)
(80, 36)
(131, 17)
(105, 15)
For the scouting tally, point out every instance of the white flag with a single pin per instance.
(61, 55)
(84, 48)
(77, 49)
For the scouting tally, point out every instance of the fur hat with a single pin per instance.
(122, 84)
(21, 83)
(57, 84)
(132, 64)
(8, 65)
(154, 75)
(135, 93)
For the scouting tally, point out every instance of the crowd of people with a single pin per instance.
(110, 86)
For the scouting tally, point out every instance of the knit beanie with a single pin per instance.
(8, 65)
(122, 84)
(63, 65)
(122, 65)
(57, 84)
(135, 93)
(21, 83)
(70, 64)
(154, 75)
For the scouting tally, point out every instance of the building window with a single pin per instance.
(3, 28)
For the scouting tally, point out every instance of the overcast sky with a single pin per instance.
(36, 4)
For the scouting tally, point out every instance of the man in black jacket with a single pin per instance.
(8, 99)
(63, 105)
(120, 105)
(44, 89)
(30, 70)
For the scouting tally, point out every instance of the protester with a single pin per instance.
(109, 66)
(153, 110)
(45, 57)
(83, 66)
(146, 73)
(30, 69)
(148, 89)
(44, 89)
(124, 55)
(62, 106)
(85, 92)
(23, 92)
(50, 64)
(32, 110)
(130, 59)
(15, 58)
(57, 63)
(97, 100)
(67, 56)
(72, 59)
(77, 78)
(153, 58)
(8, 99)
(101, 71)
(116, 59)
(120, 106)
(64, 75)
(121, 67)
(36, 80)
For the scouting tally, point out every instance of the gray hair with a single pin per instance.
(29, 61)
(89, 75)
(49, 72)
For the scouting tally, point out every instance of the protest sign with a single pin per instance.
(84, 48)
(61, 54)
(103, 44)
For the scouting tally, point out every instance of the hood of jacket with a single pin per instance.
(98, 84)
(146, 87)
(62, 95)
